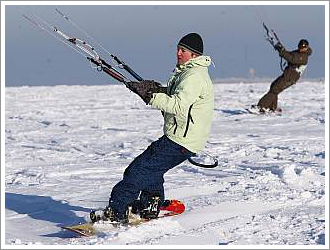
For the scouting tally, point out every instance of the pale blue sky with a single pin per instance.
(145, 37)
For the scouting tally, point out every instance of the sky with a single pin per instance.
(146, 36)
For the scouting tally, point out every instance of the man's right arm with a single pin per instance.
(178, 103)
(294, 57)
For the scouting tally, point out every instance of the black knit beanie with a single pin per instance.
(192, 42)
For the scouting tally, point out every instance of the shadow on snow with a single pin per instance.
(45, 208)
(232, 112)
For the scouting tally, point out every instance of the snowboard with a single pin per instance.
(256, 111)
(172, 208)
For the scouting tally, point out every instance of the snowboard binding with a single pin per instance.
(151, 211)
(147, 206)
(107, 214)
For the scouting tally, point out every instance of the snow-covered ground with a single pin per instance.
(67, 146)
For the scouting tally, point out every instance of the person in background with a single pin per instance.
(296, 63)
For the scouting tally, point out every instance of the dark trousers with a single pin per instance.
(146, 173)
(269, 100)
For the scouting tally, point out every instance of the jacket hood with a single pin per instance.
(204, 61)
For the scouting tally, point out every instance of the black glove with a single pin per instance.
(145, 89)
(279, 47)
(155, 87)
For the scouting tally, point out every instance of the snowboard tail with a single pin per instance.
(85, 229)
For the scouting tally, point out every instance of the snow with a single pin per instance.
(67, 146)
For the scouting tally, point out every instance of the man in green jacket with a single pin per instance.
(187, 107)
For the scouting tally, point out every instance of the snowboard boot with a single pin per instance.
(152, 208)
(255, 109)
(108, 214)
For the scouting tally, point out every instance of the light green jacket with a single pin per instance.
(188, 104)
